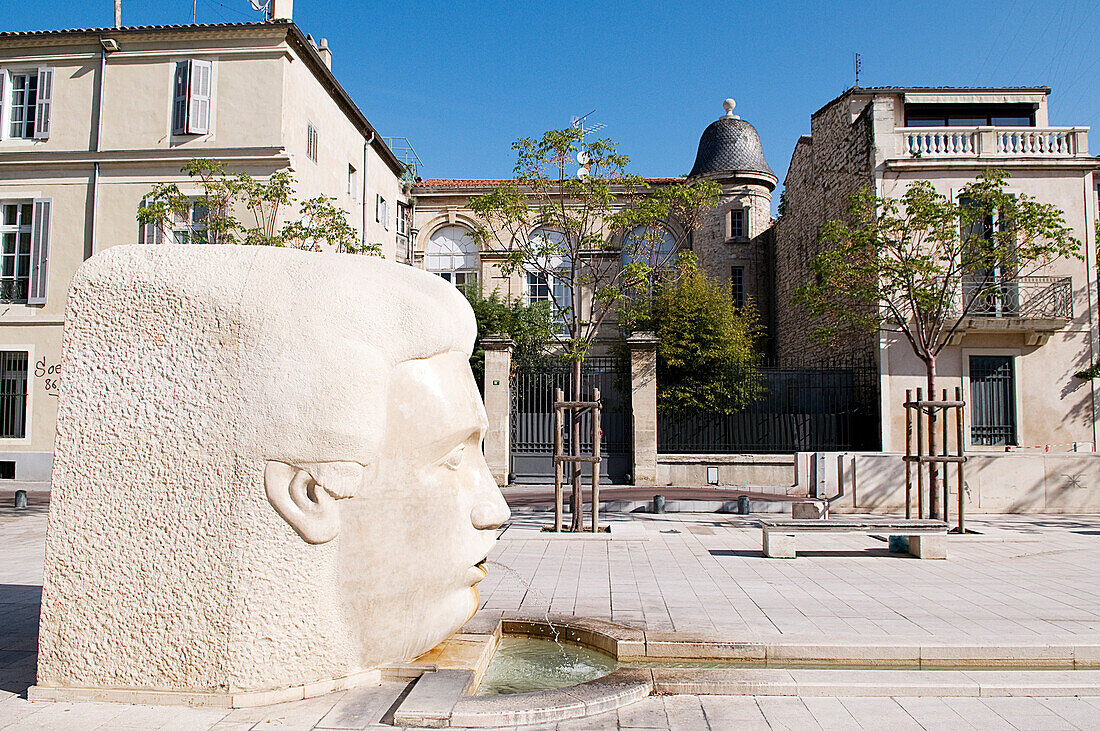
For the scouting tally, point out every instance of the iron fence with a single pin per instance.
(800, 409)
(533, 417)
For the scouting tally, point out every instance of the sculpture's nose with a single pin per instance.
(490, 512)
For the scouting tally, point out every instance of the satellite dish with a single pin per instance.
(583, 173)
(259, 6)
(582, 157)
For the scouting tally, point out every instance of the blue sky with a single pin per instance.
(462, 80)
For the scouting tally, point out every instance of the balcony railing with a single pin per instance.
(1033, 298)
(954, 142)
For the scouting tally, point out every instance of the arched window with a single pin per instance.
(451, 252)
(654, 247)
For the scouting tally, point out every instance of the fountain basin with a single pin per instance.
(529, 664)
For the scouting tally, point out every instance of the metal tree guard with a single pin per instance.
(921, 407)
(575, 458)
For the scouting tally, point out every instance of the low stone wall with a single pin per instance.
(1065, 482)
(776, 471)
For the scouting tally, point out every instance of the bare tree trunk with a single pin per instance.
(575, 449)
(933, 467)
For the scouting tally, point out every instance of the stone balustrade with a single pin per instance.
(955, 142)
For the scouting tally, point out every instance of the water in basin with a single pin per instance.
(525, 664)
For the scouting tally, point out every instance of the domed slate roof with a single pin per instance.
(730, 145)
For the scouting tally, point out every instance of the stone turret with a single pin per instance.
(731, 240)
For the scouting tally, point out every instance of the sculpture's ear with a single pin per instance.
(302, 502)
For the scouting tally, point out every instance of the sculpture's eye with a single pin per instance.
(454, 459)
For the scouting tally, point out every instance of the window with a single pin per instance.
(989, 287)
(451, 252)
(191, 96)
(404, 220)
(30, 99)
(184, 227)
(969, 115)
(543, 288)
(353, 181)
(24, 240)
(382, 212)
(13, 394)
(737, 285)
(738, 230)
(992, 400)
(654, 247)
(312, 141)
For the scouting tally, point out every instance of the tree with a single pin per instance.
(566, 232)
(529, 327)
(212, 217)
(707, 358)
(922, 263)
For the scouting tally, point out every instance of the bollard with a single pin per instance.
(658, 503)
(743, 506)
(20, 498)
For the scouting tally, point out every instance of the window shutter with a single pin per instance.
(179, 97)
(40, 248)
(198, 110)
(44, 104)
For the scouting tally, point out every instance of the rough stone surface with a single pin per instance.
(834, 161)
(268, 471)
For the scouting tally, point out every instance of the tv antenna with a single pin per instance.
(578, 123)
(858, 63)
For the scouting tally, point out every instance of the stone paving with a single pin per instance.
(1024, 580)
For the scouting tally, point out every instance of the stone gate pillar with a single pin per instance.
(643, 401)
(498, 405)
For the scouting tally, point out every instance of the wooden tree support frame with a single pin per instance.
(575, 458)
(920, 408)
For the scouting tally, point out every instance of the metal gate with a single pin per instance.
(533, 419)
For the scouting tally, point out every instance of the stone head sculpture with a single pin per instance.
(268, 471)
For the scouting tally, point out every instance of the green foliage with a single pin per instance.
(707, 359)
(571, 230)
(320, 226)
(529, 327)
(900, 263)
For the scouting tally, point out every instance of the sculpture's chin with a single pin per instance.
(448, 617)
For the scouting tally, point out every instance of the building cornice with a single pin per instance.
(277, 155)
(1068, 163)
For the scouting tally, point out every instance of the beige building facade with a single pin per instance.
(730, 241)
(90, 120)
(1014, 360)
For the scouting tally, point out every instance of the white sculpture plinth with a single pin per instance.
(268, 478)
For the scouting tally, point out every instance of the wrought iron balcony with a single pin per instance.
(992, 142)
(1029, 298)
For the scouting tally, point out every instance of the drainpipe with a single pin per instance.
(91, 240)
(366, 152)
(1089, 281)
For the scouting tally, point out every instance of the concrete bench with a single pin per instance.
(927, 538)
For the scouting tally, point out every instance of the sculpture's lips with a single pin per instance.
(477, 572)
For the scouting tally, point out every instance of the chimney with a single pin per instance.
(282, 9)
(118, 13)
(325, 51)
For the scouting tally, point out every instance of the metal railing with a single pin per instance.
(799, 409)
(1043, 298)
(940, 142)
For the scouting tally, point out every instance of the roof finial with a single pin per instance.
(728, 105)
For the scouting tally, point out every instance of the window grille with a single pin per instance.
(992, 400)
(312, 141)
(13, 394)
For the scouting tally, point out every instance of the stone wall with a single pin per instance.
(718, 251)
(827, 166)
